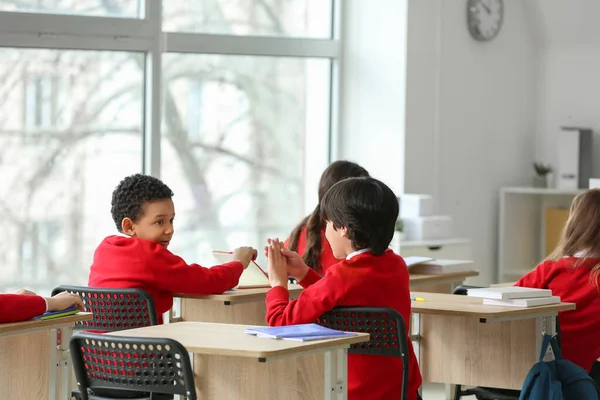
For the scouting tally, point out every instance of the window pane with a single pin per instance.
(113, 8)
(235, 137)
(70, 129)
(295, 18)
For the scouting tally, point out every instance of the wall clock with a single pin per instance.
(485, 18)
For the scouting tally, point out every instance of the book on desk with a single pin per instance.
(514, 296)
(428, 265)
(57, 314)
(301, 332)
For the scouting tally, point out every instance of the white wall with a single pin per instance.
(569, 83)
(373, 93)
(469, 127)
(470, 117)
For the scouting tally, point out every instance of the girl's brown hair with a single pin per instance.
(582, 231)
(334, 173)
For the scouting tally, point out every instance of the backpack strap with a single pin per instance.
(550, 340)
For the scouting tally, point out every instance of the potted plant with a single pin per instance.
(542, 176)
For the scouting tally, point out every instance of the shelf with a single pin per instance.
(541, 191)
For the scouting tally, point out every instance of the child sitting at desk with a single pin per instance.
(308, 238)
(572, 272)
(137, 257)
(23, 304)
(360, 214)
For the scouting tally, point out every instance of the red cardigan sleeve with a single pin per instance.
(20, 307)
(311, 304)
(538, 278)
(172, 273)
(310, 279)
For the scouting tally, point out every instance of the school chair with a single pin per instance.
(113, 309)
(140, 367)
(485, 393)
(386, 327)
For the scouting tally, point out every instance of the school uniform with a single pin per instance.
(21, 307)
(327, 258)
(129, 262)
(362, 279)
(569, 278)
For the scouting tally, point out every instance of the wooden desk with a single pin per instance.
(242, 306)
(228, 364)
(34, 358)
(461, 341)
(439, 283)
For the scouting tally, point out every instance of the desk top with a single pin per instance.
(241, 295)
(465, 306)
(433, 278)
(230, 340)
(13, 328)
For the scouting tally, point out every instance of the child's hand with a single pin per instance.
(295, 264)
(24, 291)
(64, 300)
(244, 255)
(277, 264)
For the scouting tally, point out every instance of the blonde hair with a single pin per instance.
(582, 231)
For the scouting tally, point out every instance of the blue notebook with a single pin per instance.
(56, 314)
(301, 333)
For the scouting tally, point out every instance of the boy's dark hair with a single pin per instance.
(132, 192)
(334, 173)
(367, 208)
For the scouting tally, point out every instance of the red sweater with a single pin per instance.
(20, 307)
(327, 258)
(580, 328)
(126, 262)
(364, 280)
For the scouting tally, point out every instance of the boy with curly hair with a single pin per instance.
(138, 256)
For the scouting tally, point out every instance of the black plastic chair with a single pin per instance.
(386, 327)
(113, 309)
(138, 366)
(595, 373)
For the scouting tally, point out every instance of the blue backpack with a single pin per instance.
(559, 379)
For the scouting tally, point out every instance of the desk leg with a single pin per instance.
(546, 325)
(338, 369)
(54, 367)
(416, 339)
(62, 345)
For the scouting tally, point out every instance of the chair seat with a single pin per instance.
(484, 393)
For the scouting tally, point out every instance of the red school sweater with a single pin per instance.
(569, 278)
(327, 258)
(363, 280)
(20, 307)
(128, 262)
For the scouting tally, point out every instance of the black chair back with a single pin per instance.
(113, 309)
(135, 365)
(386, 327)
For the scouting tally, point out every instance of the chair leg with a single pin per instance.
(457, 393)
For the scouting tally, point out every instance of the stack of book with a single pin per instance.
(514, 296)
(428, 265)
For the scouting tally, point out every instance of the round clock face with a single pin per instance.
(485, 18)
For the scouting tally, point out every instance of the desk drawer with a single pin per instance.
(443, 251)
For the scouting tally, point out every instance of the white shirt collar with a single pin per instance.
(122, 234)
(355, 253)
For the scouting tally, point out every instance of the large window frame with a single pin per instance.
(79, 32)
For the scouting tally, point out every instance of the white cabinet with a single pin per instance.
(449, 249)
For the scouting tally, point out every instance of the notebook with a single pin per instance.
(433, 266)
(253, 277)
(508, 292)
(301, 333)
(57, 314)
(530, 302)
(411, 261)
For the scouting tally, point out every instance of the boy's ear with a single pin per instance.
(343, 231)
(127, 226)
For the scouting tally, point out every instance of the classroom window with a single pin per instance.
(290, 18)
(237, 168)
(98, 8)
(56, 179)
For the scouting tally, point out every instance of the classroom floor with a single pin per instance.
(435, 391)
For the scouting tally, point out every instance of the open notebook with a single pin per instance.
(301, 333)
(252, 277)
(57, 314)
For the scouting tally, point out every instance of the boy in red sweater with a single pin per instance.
(23, 305)
(572, 272)
(360, 214)
(137, 257)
